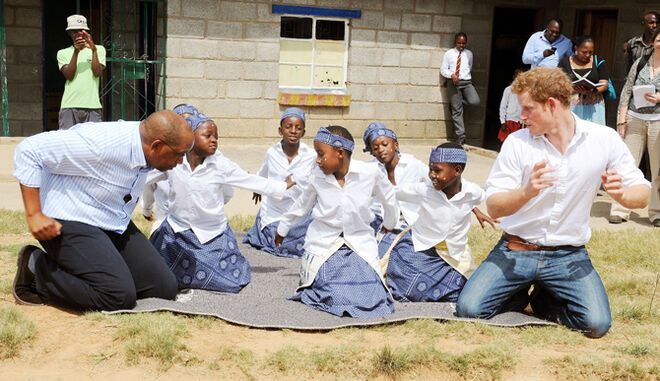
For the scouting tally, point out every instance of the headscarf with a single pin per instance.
(185, 109)
(196, 120)
(293, 111)
(326, 137)
(374, 131)
(448, 155)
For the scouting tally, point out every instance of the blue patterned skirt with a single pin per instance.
(592, 112)
(415, 276)
(217, 265)
(264, 239)
(347, 286)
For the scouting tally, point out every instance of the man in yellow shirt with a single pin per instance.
(82, 65)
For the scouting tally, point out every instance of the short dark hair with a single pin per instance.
(580, 40)
(460, 34)
(453, 145)
(556, 20)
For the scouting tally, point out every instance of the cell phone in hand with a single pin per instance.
(554, 49)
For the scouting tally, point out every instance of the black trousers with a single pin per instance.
(90, 269)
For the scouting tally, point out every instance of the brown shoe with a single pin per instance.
(24, 288)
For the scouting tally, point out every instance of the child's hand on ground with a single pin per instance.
(484, 218)
(278, 240)
(256, 197)
(289, 181)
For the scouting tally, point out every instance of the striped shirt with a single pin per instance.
(93, 173)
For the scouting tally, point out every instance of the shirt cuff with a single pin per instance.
(283, 229)
(30, 177)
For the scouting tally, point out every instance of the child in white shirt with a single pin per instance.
(340, 272)
(509, 112)
(160, 189)
(195, 239)
(430, 261)
(288, 157)
(383, 145)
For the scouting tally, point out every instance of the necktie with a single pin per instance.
(458, 64)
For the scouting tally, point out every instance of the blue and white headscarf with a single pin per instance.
(293, 111)
(185, 109)
(196, 120)
(374, 131)
(448, 155)
(326, 137)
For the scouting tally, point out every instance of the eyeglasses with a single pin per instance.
(178, 154)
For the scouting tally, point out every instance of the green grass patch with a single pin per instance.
(16, 331)
(156, 336)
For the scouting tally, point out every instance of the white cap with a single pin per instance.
(76, 22)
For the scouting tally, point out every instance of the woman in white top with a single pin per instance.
(640, 126)
(195, 239)
(340, 273)
(288, 157)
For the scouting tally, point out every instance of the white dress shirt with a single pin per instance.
(441, 219)
(92, 173)
(559, 215)
(409, 170)
(196, 198)
(341, 214)
(449, 64)
(276, 166)
(509, 106)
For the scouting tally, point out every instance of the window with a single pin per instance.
(313, 54)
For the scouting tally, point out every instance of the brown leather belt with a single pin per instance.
(515, 243)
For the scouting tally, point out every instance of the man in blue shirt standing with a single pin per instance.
(547, 47)
(79, 189)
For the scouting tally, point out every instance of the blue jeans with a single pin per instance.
(567, 287)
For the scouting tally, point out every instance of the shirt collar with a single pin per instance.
(137, 153)
(354, 169)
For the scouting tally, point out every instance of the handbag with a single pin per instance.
(610, 93)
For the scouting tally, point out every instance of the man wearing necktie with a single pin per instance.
(457, 67)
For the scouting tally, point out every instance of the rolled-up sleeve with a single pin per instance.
(506, 172)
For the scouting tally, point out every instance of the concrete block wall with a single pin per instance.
(223, 57)
(24, 66)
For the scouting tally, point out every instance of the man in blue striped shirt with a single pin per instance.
(79, 189)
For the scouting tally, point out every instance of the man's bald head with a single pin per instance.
(166, 126)
(553, 30)
(166, 137)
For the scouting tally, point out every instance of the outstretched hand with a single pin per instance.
(538, 179)
(484, 218)
(89, 43)
(256, 197)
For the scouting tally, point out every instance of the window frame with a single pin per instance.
(311, 89)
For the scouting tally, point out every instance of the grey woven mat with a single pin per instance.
(263, 303)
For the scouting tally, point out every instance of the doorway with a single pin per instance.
(511, 30)
(601, 24)
(133, 81)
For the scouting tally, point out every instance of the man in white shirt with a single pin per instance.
(547, 47)
(542, 187)
(457, 68)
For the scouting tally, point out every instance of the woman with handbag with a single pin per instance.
(590, 80)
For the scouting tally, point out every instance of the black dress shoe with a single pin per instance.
(24, 289)
(616, 220)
